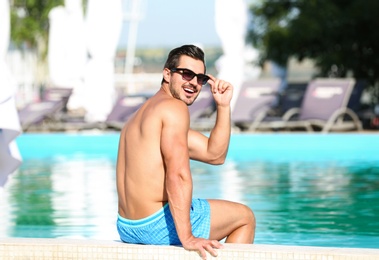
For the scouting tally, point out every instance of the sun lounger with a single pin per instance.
(291, 97)
(356, 95)
(124, 108)
(49, 109)
(254, 100)
(203, 106)
(202, 111)
(324, 107)
(36, 114)
(56, 94)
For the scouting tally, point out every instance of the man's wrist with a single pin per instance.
(188, 239)
(224, 107)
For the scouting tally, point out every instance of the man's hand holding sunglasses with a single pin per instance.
(222, 91)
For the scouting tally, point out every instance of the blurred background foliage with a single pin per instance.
(30, 23)
(340, 36)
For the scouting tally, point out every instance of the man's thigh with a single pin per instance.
(226, 216)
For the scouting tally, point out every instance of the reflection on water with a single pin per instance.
(64, 197)
(303, 203)
(326, 203)
(88, 186)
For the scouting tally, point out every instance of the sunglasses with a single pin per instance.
(188, 75)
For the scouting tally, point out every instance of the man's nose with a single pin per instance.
(194, 81)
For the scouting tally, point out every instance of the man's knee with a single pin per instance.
(249, 216)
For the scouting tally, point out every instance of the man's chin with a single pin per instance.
(188, 101)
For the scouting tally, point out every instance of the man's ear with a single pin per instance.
(166, 74)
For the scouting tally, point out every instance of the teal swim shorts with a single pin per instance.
(159, 228)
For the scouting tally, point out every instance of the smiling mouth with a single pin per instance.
(189, 90)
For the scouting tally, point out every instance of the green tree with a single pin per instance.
(30, 23)
(340, 36)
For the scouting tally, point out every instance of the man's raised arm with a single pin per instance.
(213, 149)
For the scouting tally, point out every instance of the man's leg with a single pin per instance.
(232, 220)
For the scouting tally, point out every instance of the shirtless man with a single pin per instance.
(154, 181)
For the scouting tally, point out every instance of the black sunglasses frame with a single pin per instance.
(188, 75)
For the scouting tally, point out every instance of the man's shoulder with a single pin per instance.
(170, 110)
(168, 104)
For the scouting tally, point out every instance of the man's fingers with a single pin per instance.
(214, 244)
(217, 244)
(203, 246)
(202, 253)
(211, 250)
(211, 77)
(219, 86)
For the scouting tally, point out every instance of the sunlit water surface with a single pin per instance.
(315, 190)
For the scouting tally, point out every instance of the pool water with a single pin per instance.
(305, 189)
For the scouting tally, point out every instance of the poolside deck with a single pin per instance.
(59, 249)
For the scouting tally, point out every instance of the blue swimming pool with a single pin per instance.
(305, 189)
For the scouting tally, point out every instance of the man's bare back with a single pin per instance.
(154, 180)
(141, 181)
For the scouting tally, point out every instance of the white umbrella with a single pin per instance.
(231, 27)
(67, 56)
(10, 157)
(103, 28)
(10, 127)
(231, 22)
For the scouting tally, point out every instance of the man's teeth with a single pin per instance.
(189, 90)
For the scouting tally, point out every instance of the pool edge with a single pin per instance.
(51, 249)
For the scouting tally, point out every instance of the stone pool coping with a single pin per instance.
(59, 249)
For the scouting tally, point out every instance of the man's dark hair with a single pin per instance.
(188, 50)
